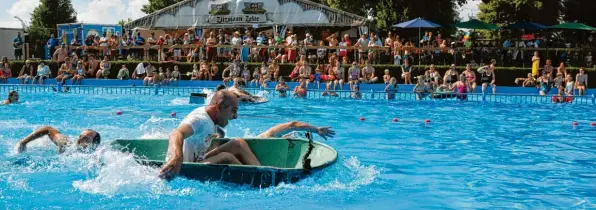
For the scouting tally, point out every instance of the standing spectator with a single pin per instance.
(17, 43)
(43, 72)
(123, 74)
(27, 72)
(52, 43)
(60, 55)
(535, 64)
(362, 42)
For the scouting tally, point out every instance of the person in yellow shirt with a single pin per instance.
(535, 64)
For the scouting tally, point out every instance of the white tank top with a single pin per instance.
(195, 147)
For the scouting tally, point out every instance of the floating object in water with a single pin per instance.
(395, 120)
(427, 121)
(282, 160)
(362, 119)
(197, 98)
(593, 124)
(173, 114)
(575, 123)
(119, 112)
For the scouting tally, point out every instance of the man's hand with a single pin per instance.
(21, 147)
(171, 168)
(325, 132)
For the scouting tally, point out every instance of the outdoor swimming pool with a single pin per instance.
(471, 155)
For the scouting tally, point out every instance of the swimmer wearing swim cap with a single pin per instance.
(88, 139)
(13, 98)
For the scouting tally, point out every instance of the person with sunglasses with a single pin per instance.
(88, 139)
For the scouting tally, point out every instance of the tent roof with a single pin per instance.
(526, 26)
(417, 23)
(327, 15)
(574, 26)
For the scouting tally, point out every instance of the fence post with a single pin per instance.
(372, 94)
(155, 89)
(593, 99)
(484, 96)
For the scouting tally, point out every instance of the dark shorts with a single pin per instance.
(18, 52)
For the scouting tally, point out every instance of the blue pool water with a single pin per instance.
(471, 155)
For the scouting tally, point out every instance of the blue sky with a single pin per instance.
(111, 11)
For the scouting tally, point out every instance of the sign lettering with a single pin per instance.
(230, 19)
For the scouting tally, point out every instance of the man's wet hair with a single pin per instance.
(220, 87)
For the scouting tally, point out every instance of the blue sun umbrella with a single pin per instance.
(417, 23)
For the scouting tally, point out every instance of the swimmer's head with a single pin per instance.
(13, 96)
(220, 87)
(282, 81)
(225, 106)
(88, 139)
(393, 81)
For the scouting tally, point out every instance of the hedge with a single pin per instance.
(505, 75)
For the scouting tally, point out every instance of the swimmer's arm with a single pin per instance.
(285, 128)
(387, 87)
(54, 135)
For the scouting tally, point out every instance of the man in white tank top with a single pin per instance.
(191, 141)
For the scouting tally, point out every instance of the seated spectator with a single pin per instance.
(27, 72)
(368, 73)
(195, 74)
(158, 77)
(123, 74)
(149, 78)
(79, 74)
(139, 72)
(329, 91)
(386, 77)
(104, 68)
(5, 72)
(175, 75)
(43, 72)
(65, 72)
(530, 81)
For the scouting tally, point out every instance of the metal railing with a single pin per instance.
(311, 94)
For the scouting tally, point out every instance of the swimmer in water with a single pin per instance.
(242, 95)
(300, 90)
(87, 139)
(13, 98)
(287, 130)
(391, 88)
(282, 88)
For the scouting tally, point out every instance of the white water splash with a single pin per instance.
(120, 174)
(349, 177)
(209, 93)
(179, 101)
(157, 127)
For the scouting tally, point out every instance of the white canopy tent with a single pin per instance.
(246, 13)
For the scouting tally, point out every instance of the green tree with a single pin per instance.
(504, 12)
(579, 10)
(123, 22)
(44, 19)
(156, 5)
(443, 13)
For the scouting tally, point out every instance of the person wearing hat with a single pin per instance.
(26, 73)
(43, 72)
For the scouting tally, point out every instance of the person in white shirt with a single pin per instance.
(43, 72)
(139, 72)
(192, 140)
